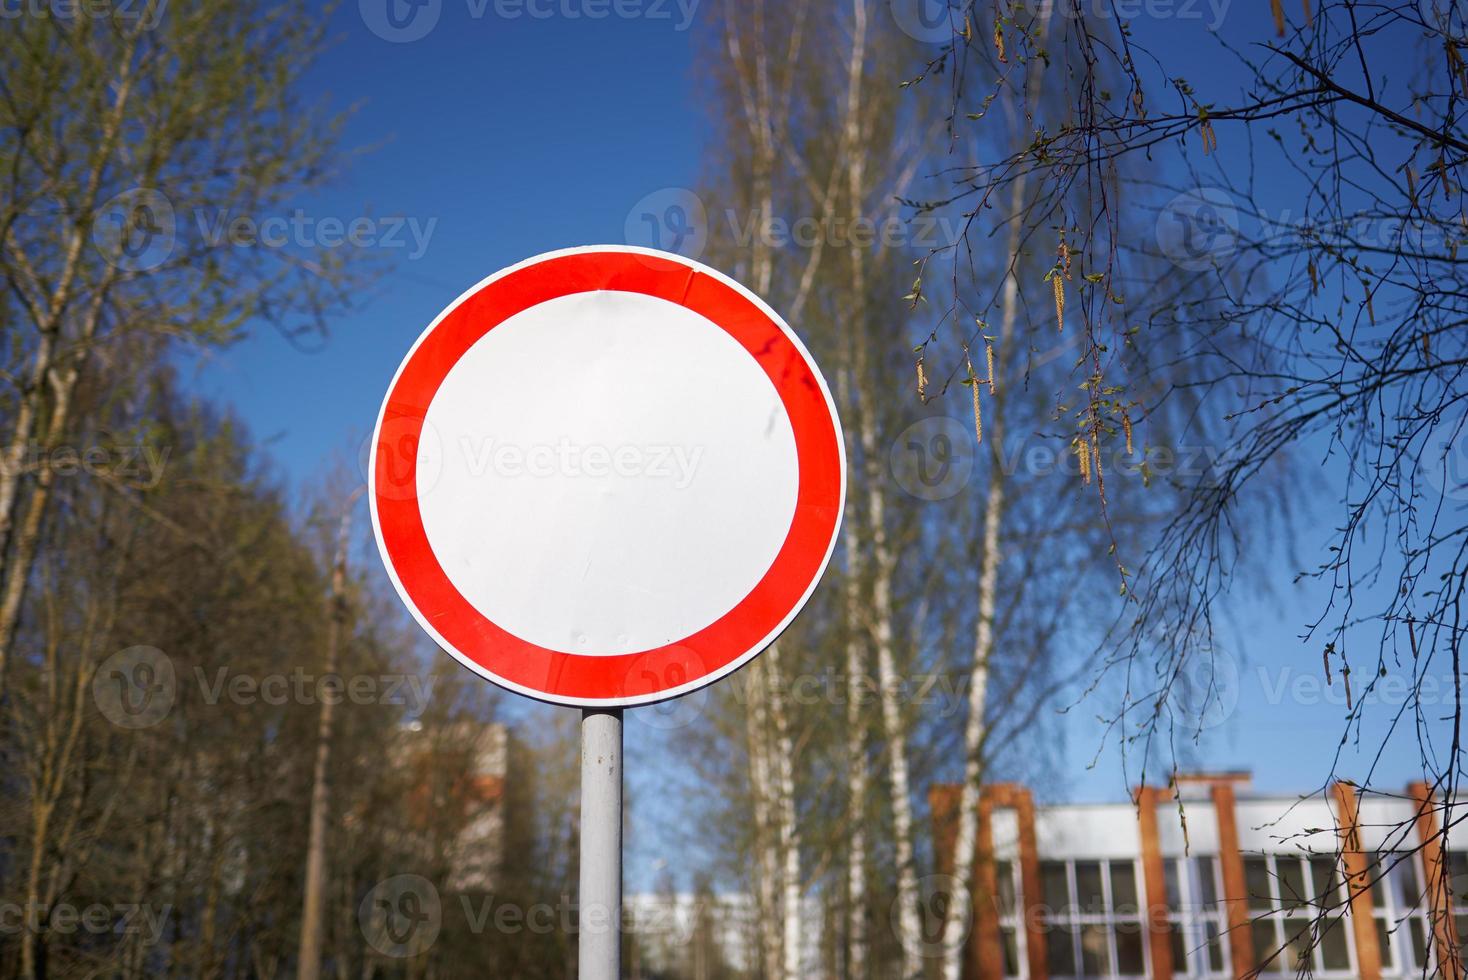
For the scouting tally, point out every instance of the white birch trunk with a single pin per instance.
(784, 780)
(959, 905)
(768, 870)
(894, 725)
(856, 771)
(960, 902)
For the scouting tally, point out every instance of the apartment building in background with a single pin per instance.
(1225, 883)
(471, 804)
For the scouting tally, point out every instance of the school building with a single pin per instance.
(1213, 881)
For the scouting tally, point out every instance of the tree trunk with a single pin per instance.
(960, 901)
(856, 772)
(856, 666)
(790, 840)
(894, 725)
(48, 313)
(312, 905)
(18, 568)
(768, 866)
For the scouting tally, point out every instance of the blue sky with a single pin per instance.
(480, 137)
(496, 139)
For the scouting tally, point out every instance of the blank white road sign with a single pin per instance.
(607, 476)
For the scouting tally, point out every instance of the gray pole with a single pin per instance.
(600, 941)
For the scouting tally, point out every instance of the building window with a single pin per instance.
(1196, 917)
(1296, 904)
(1399, 906)
(1093, 919)
(1011, 923)
(1457, 872)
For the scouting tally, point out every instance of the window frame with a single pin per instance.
(1012, 920)
(1073, 917)
(1279, 914)
(1396, 916)
(1457, 900)
(1191, 916)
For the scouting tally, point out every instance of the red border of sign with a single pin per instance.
(662, 672)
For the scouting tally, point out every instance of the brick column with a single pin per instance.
(1033, 898)
(1355, 863)
(985, 954)
(1445, 939)
(1235, 892)
(1154, 876)
(983, 948)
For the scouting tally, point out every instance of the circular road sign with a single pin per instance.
(607, 476)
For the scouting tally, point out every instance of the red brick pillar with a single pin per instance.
(1450, 963)
(985, 954)
(1235, 892)
(1358, 882)
(1033, 899)
(1154, 876)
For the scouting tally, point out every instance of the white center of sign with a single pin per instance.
(599, 494)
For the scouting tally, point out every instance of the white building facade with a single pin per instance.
(1208, 880)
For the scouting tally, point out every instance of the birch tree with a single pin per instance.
(172, 119)
(1317, 316)
(863, 196)
(846, 163)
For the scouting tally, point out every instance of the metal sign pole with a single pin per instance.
(600, 942)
